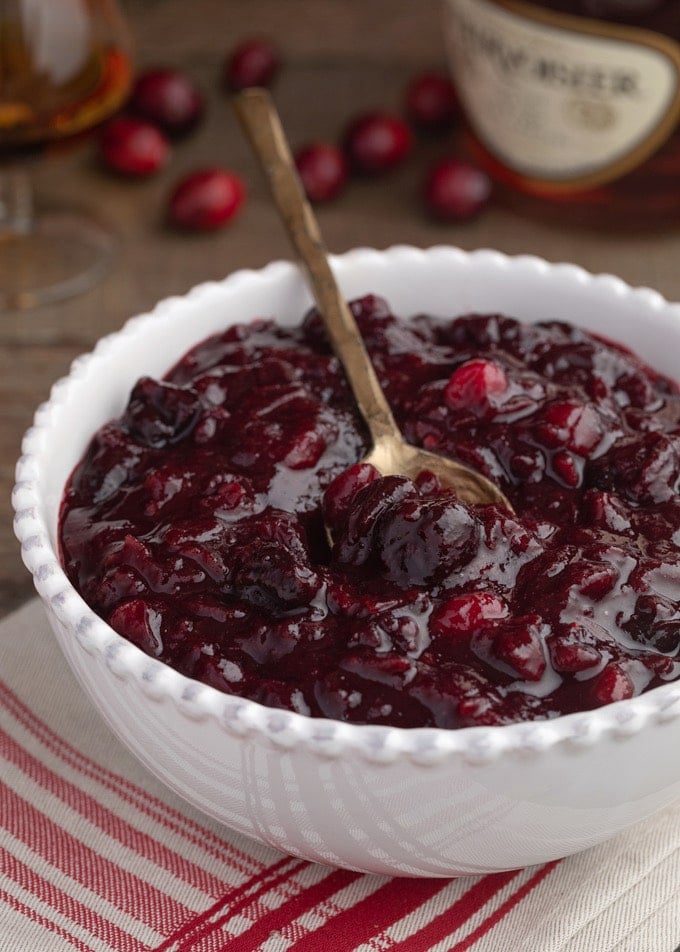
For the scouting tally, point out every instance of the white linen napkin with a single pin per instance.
(97, 855)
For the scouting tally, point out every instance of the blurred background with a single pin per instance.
(339, 59)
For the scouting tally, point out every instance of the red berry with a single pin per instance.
(206, 200)
(613, 684)
(377, 142)
(342, 490)
(567, 468)
(476, 385)
(431, 101)
(133, 147)
(141, 624)
(606, 511)
(456, 191)
(323, 171)
(576, 426)
(251, 63)
(572, 656)
(428, 483)
(519, 646)
(168, 98)
(463, 614)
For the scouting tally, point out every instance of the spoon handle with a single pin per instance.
(260, 121)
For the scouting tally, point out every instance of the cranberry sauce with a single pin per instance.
(195, 523)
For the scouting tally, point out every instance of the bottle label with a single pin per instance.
(560, 98)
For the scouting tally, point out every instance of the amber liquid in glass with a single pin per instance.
(64, 68)
(645, 198)
(55, 87)
(97, 93)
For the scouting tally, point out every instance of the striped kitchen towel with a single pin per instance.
(96, 855)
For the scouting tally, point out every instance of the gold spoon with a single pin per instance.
(390, 454)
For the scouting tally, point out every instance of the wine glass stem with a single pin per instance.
(16, 202)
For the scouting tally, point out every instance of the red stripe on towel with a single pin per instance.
(124, 890)
(455, 915)
(66, 906)
(505, 908)
(276, 920)
(145, 802)
(212, 918)
(105, 819)
(371, 915)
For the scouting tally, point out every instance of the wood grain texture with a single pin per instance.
(342, 56)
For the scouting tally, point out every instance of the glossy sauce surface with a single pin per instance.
(195, 523)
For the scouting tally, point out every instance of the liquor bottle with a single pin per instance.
(574, 103)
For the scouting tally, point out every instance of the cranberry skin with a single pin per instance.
(140, 624)
(456, 191)
(169, 99)
(133, 147)
(342, 490)
(323, 171)
(206, 200)
(518, 644)
(160, 413)
(377, 142)
(431, 102)
(463, 614)
(612, 684)
(251, 63)
(477, 385)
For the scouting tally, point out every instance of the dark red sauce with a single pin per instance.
(195, 523)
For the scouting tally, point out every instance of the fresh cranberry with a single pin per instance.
(169, 99)
(431, 101)
(253, 62)
(454, 190)
(323, 171)
(206, 200)
(133, 147)
(377, 142)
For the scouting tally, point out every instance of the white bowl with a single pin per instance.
(424, 802)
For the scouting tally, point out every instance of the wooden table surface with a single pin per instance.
(342, 56)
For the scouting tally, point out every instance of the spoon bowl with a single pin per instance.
(390, 453)
(393, 456)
